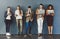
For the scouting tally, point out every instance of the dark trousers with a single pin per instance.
(8, 22)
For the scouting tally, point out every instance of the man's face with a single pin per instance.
(29, 9)
(41, 6)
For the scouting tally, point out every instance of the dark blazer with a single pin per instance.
(5, 15)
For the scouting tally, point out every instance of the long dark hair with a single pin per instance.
(18, 6)
(19, 9)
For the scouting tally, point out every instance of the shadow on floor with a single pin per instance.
(31, 37)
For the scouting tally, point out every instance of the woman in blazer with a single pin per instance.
(8, 20)
(40, 12)
(29, 20)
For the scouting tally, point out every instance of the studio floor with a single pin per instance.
(31, 37)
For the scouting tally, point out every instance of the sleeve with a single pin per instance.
(22, 12)
(47, 12)
(5, 15)
(32, 14)
(53, 11)
(15, 13)
(12, 16)
(11, 13)
(25, 13)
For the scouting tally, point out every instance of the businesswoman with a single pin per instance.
(50, 16)
(19, 21)
(8, 20)
(40, 18)
(29, 20)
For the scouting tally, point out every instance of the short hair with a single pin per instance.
(8, 7)
(29, 6)
(42, 5)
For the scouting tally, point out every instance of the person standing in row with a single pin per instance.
(8, 20)
(40, 12)
(29, 20)
(19, 16)
(50, 15)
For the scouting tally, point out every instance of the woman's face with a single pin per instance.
(8, 9)
(41, 6)
(18, 8)
(50, 7)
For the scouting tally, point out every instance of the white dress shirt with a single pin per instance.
(41, 11)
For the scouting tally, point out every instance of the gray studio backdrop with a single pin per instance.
(24, 4)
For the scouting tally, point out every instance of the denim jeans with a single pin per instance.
(28, 27)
